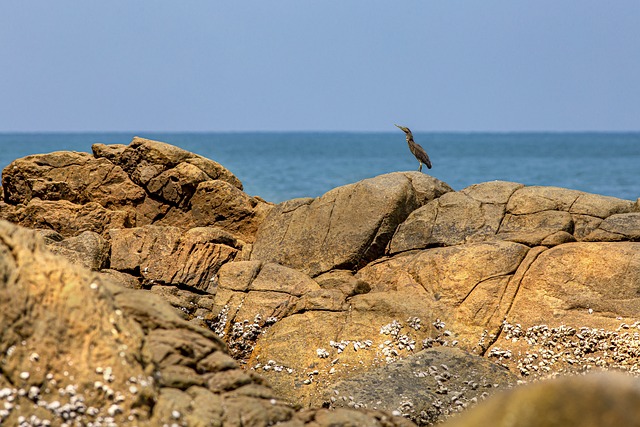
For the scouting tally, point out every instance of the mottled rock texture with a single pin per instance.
(425, 387)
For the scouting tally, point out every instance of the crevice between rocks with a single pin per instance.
(531, 256)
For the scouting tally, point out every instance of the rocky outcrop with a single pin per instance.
(76, 177)
(147, 182)
(83, 335)
(77, 348)
(346, 227)
(322, 298)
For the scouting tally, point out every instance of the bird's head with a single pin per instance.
(403, 129)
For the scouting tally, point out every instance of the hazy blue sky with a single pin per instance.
(359, 65)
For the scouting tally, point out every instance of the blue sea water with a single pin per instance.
(281, 166)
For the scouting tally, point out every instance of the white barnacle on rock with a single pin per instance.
(33, 393)
(114, 410)
(24, 375)
(340, 346)
(414, 322)
(108, 374)
(322, 353)
(34, 357)
(438, 324)
(392, 328)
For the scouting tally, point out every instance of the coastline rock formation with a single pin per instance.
(233, 311)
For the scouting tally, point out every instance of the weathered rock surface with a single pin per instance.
(611, 399)
(159, 167)
(77, 177)
(87, 249)
(346, 227)
(508, 211)
(196, 255)
(67, 218)
(221, 204)
(426, 387)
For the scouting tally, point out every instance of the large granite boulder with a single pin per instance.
(346, 227)
(165, 170)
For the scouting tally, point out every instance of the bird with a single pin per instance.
(416, 149)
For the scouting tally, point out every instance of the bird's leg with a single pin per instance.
(420, 168)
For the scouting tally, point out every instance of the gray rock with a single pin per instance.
(426, 387)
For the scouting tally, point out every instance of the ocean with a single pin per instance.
(281, 166)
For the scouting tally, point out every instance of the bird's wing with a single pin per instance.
(422, 155)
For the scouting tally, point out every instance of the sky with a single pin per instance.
(299, 65)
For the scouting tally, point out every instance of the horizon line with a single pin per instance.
(305, 131)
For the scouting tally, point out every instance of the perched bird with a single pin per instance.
(416, 149)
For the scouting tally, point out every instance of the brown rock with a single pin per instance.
(617, 227)
(166, 170)
(87, 249)
(600, 206)
(252, 288)
(531, 229)
(345, 228)
(111, 152)
(589, 401)
(345, 417)
(75, 177)
(473, 214)
(70, 219)
(565, 281)
(221, 204)
(509, 211)
(533, 199)
(166, 255)
(344, 281)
